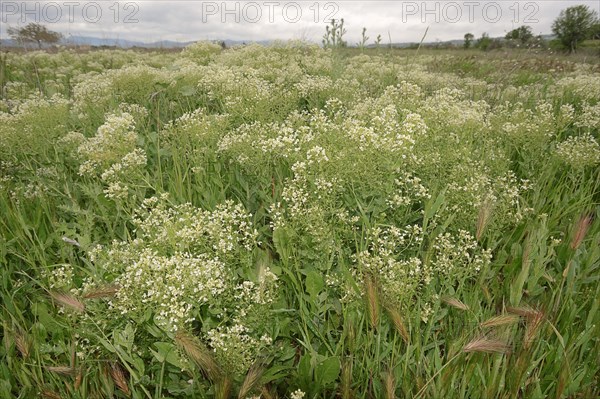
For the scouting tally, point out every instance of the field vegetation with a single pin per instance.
(298, 222)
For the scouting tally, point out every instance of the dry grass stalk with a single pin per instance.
(22, 343)
(581, 229)
(78, 380)
(567, 269)
(48, 394)
(223, 388)
(118, 376)
(398, 323)
(350, 335)
(252, 379)
(265, 393)
(502, 320)
(102, 292)
(372, 301)
(346, 380)
(390, 384)
(68, 301)
(533, 327)
(198, 353)
(487, 345)
(523, 311)
(563, 378)
(455, 303)
(61, 370)
(483, 219)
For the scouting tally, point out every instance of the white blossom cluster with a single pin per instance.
(579, 151)
(590, 117)
(187, 264)
(112, 154)
(395, 259)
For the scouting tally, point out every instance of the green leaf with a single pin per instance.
(328, 370)
(281, 241)
(304, 368)
(314, 283)
(125, 337)
(167, 353)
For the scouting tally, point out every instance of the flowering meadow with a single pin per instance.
(298, 222)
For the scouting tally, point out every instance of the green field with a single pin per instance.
(298, 222)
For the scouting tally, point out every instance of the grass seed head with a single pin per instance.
(581, 229)
(372, 301)
(22, 343)
(455, 303)
(199, 354)
(346, 379)
(61, 370)
(534, 324)
(102, 292)
(523, 311)
(68, 301)
(49, 394)
(223, 388)
(483, 219)
(398, 323)
(390, 384)
(487, 345)
(252, 379)
(501, 320)
(119, 378)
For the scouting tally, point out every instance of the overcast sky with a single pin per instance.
(402, 21)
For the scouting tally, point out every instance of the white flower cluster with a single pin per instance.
(32, 125)
(235, 347)
(113, 140)
(185, 266)
(224, 231)
(60, 277)
(297, 394)
(394, 259)
(409, 190)
(386, 130)
(201, 52)
(457, 256)
(112, 154)
(590, 117)
(169, 285)
(579, 151)
(584, 85)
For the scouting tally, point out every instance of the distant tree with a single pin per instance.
(484, 42)
(468, 40)
(34, 33)
(596, 31)
(574, 25)
(522, 34)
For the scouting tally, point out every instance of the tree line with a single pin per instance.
(572, 27)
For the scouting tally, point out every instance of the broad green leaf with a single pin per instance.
(314, 283)
(328, 370)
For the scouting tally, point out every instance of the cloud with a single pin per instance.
(403, 21)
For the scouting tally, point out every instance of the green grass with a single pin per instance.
(323, 223)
